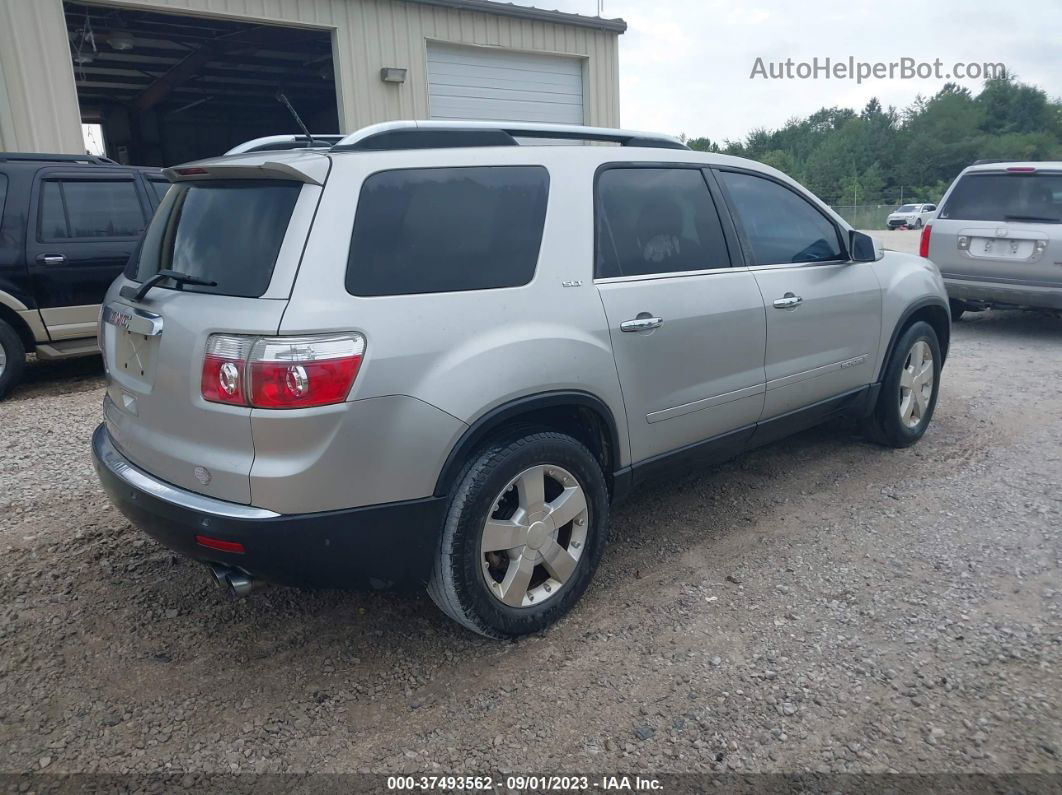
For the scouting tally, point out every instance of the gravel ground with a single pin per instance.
(820, 605)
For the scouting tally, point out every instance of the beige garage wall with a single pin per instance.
(38, 103)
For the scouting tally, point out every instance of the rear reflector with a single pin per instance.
(923, 244)
(221, 546)
(281, 372)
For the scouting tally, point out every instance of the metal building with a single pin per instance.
(164, 81)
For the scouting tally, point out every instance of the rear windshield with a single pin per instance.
(227, 231)
(1006, 197)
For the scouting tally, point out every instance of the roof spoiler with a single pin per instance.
(312, 171)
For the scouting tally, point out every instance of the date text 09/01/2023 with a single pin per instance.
(517, 783)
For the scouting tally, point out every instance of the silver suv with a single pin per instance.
(433, 355)
(998, 237)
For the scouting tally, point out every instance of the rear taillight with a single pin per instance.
(281, 372)
(224, 368)
(923, 244)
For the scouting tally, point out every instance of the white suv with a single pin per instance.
(913, 216)
(434, 356)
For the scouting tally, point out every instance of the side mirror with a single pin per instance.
(864, 248)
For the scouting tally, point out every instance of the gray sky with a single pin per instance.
(685, 64)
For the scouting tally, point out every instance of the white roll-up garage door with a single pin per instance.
(487, 83)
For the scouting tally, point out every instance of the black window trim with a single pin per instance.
(746, 244)
(730, 237)
(541, 242)
(58, 176)
(5, 186)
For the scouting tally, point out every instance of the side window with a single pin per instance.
(3, 195)
(432, 230)
(90, 209)
(780, 226)
(159, 187)
(930, 208)
(53, 216)
(656, 220)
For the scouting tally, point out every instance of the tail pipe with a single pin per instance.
(236, 583)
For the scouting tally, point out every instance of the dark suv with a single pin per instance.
(68, 224)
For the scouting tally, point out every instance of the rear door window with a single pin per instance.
(225, 231)
(1035, 198)
(780, 225)
(435, 230)
(159, 187)
(656, 220)
(84, 209)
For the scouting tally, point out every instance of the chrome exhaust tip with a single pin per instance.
(236, 583)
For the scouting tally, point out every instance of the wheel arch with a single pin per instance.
(581, 415)
(13, 319)
(933, 311)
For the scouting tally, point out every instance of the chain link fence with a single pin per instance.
(865, 216)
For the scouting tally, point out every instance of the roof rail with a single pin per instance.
(448, 134)
(279, 143)
(55, 158)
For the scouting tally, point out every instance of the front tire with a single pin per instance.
(524, 532)
(918, 224)
(909, 389)
(12, 358)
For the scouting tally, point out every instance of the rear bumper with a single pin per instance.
(379, 546)
(1004, 293)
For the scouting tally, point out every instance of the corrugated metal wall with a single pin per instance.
(38, 103)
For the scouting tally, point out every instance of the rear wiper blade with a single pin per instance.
(1033, 218)
(138, 293)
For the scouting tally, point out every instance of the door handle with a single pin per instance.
(644, 322)
(788, 301)
(51, 259)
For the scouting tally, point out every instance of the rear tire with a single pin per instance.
(12, 358)
(557, 534)
(958, 308)
(909, 389)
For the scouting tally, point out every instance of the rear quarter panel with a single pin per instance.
(463, 353)
(907, 280)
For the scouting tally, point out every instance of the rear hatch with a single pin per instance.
(1002, 225)
(240, 223)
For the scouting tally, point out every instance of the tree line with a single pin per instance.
(885, 156)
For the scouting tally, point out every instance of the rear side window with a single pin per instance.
(436, 230)
(3, 194)
(84, 209)
(780, 226)
(226, 231)
(656, 220)
(1006, 197)
(159, 187)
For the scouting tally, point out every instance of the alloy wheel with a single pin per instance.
(534, 536)
(916, 384)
